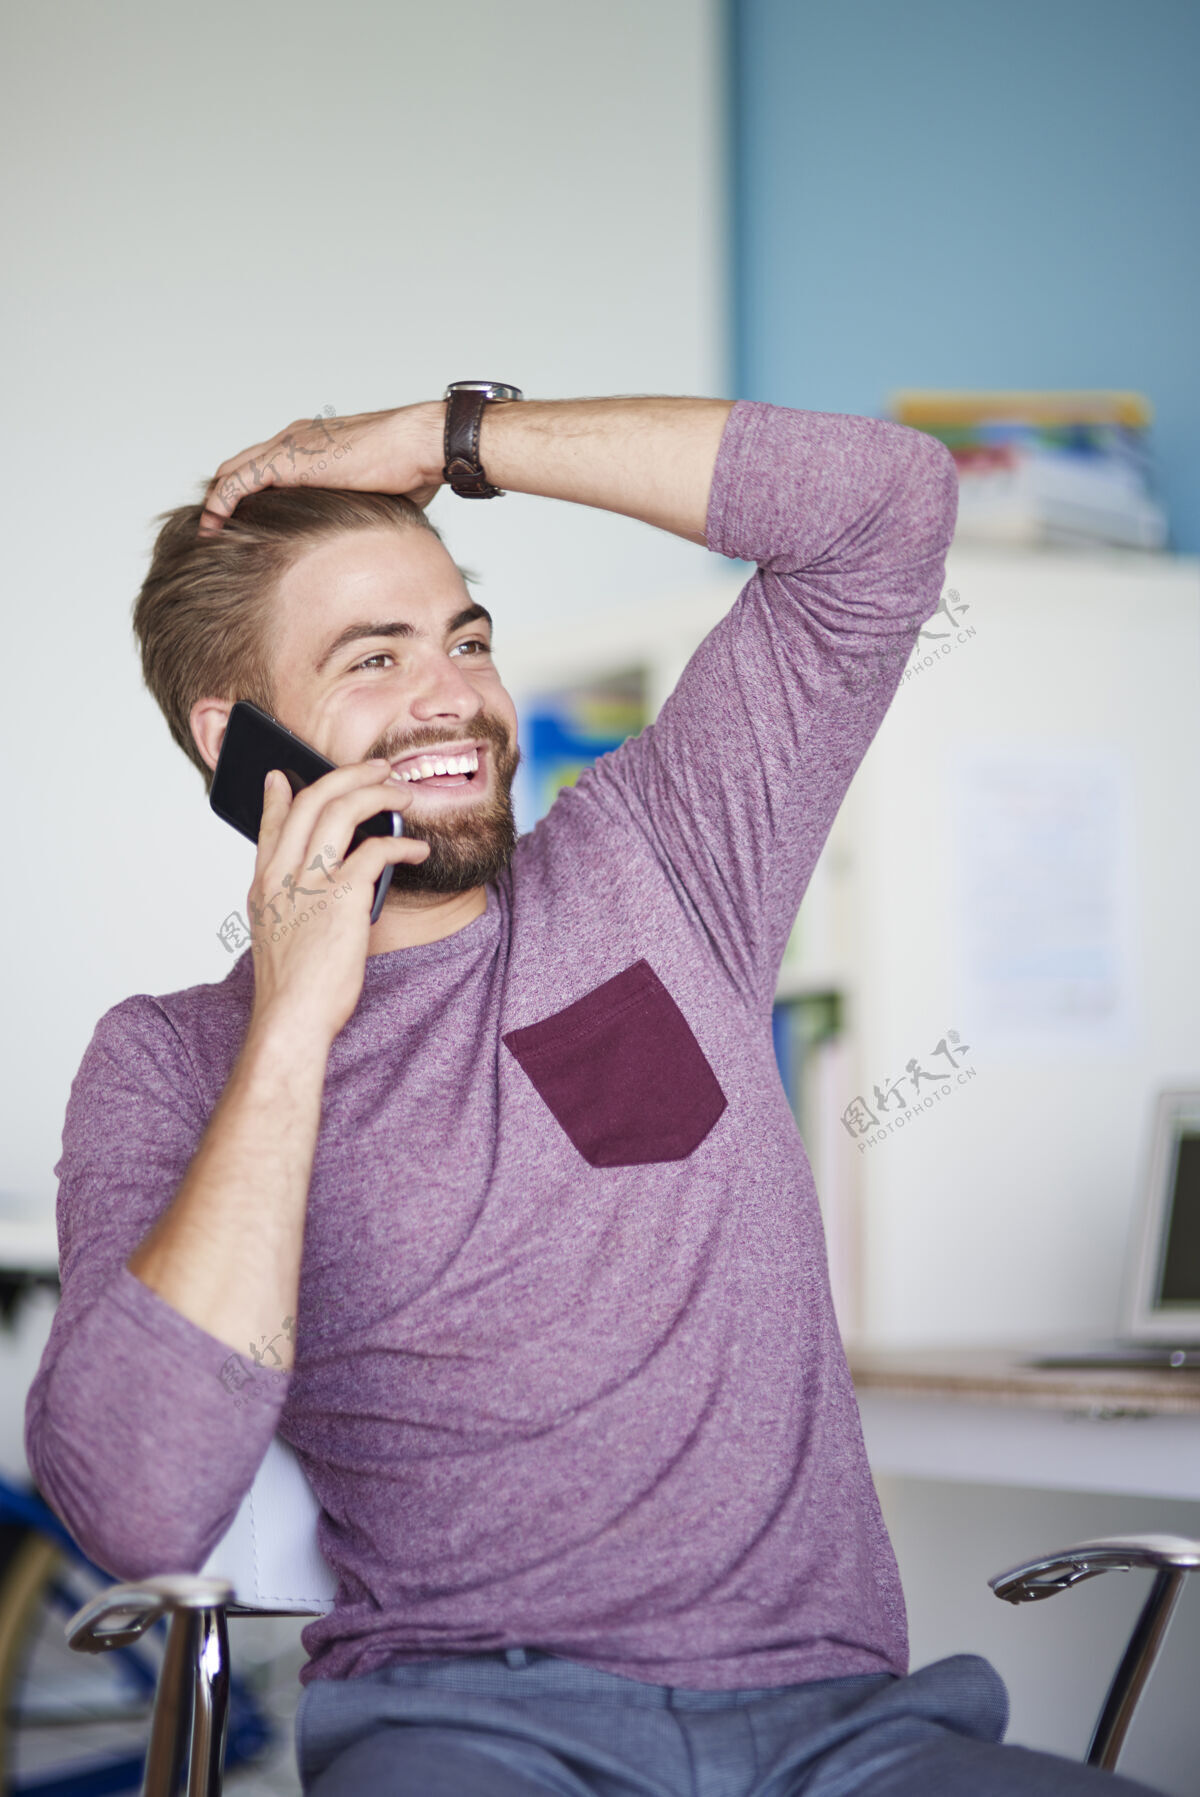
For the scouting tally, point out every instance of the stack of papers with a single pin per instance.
(1038, 468)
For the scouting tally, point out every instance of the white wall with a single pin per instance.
(1003, 1213)
(230, 217)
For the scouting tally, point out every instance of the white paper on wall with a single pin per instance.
(1044, 852)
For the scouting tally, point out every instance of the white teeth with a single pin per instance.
(441, 764)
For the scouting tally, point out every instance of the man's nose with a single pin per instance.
(443, 689)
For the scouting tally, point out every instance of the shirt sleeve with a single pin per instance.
(738, 781)
(142, 1430)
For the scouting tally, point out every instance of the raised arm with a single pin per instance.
(647, 458)
(651, 459)
(738, 781)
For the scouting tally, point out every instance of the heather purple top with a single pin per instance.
(567, 1373)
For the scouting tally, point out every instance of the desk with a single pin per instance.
(979, 1416)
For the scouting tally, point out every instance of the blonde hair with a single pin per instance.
(202, 618)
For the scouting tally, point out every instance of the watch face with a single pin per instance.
(489, 389)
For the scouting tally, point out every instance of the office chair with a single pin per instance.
(269, 1564)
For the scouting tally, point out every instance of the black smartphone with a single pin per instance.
(254, 744)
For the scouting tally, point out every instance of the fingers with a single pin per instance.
(374, 852)
(249, 472)
(286, 459)
(277, 801)
(304, 836)
(320, 819)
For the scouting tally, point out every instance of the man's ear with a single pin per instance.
(208, 718)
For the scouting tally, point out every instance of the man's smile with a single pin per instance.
(453, 767)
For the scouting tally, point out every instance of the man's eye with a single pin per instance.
(378, 656)
(476, 642)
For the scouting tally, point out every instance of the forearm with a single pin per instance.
(226, 1253)
(647, 458)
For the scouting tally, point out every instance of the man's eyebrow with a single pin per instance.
(355, 633)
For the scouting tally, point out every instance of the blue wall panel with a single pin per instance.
(943, 193)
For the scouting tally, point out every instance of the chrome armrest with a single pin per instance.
(1169, 1557)
(95, 1628)
(1088, 1559)
(191, 1704)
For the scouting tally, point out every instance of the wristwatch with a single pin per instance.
(465, 401)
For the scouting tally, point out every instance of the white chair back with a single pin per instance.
(270, 1550)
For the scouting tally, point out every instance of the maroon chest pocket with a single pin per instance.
(622, 1072)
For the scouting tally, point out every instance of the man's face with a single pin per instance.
(379, 649)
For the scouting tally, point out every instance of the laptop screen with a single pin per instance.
(1179, 1276)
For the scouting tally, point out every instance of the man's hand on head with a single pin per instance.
(398, 451)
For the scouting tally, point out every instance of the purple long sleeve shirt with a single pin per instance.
(566, 1372)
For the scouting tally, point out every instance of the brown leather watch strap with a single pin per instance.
(464, 415)
(465, 403)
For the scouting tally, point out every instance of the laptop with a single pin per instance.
(1160, 1306)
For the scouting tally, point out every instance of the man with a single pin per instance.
(507, 1182)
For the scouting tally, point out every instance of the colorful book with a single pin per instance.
(1046, 467)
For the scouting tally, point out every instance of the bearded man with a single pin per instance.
(507, 1179)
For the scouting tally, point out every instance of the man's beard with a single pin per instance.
(468, 844)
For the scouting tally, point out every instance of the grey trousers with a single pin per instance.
(522, 1723)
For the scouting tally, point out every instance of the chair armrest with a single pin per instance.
(191, 1703)
(1169, 1557)
(96, 1627)
(1056, 1572)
